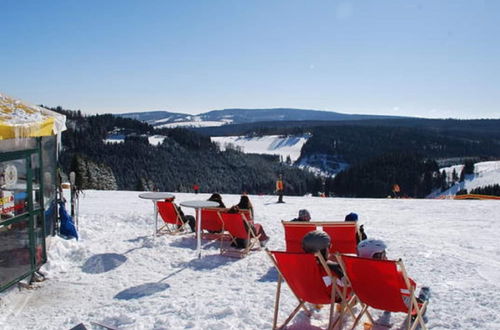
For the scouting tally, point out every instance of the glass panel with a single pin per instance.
(14, 251)
(49, 164)
(35, 166)
(13, 189)
(39, 240)
(17, 144)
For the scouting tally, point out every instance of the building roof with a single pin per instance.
(22, 120)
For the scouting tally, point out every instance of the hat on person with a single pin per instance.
(304, 215)
(351, 217)
(315, 241)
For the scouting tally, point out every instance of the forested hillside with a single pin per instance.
(415, 175)
(354, 144)
(378, 156)
(183, 159)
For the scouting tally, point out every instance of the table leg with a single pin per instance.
(198, 232)
(156, 218)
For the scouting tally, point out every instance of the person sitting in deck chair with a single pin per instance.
(186, 218)
(246, 207)
(217, 198)
(360, 235)
(319, 241)
(304, 215)
(376, 249)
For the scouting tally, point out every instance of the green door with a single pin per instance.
(22, 239)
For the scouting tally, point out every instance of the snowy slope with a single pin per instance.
(118, 273)
(196, 123)
(283, 146)
(485, 174)
(153, 139)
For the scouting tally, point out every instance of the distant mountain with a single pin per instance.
(160, 119)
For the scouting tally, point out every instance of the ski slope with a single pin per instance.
(283, 146)
(119, 274)
(485, 174)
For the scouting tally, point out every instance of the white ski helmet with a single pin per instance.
(369, 247)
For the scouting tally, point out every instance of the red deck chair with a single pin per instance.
(211, 221)
(236, 224)
(343, 236)
(306, 279)
(384, 285)
(173, 223)
(295, 232)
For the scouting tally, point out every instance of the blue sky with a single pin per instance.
(435, 58)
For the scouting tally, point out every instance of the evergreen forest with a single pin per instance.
(379, 156)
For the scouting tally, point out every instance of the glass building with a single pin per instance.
(29, 143)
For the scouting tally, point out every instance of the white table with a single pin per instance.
(198, 205)
(155, 196)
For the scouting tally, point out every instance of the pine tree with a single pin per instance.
(444, 181)
(454, 176)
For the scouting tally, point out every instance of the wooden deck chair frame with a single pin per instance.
(170, 226)
(335, 290)
(214, 236)
(328, 225)
(413, 306)
(251, 237)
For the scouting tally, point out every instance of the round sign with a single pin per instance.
(10, 175)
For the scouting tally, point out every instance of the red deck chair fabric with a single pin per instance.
(382, 284)
(170, 216)
(295, 232)
(238, 227)
(304, 276)
(343, 236)
(211, 220)
(306, 279)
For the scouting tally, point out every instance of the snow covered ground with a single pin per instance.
(283, 146)
(118, 273)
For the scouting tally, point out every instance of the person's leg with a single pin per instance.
(259, 230)
(191, 222)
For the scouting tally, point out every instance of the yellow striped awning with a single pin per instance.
(20, 120)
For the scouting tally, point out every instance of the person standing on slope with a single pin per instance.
(280, 188)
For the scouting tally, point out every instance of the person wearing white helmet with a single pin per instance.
(376, 249)
(372, 248)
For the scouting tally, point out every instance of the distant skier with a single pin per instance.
(396, 191)
(196, 188)
(280, 188)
